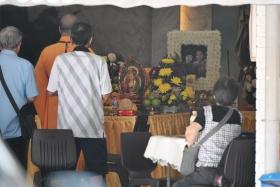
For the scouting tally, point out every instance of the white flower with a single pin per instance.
(120, 63)
(112, 57)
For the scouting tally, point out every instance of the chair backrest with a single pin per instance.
(53, 149)
(239, 166)
(133, 146)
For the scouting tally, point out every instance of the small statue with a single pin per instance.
(132, 81)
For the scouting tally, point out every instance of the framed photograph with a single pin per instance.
(200, 51)
(132, 80)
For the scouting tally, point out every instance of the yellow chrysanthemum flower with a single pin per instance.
(188, 92)
(172, 97)
(165, 72)
(165, 87)
(176, 80)
(168, 61)
(158, 82)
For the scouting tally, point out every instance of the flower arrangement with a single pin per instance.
(168, 85)
(114, 66)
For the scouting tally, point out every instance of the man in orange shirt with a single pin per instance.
(46, 106)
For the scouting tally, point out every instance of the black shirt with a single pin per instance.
(218, 113)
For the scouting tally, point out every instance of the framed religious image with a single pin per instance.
(200, 52)
(132, 80)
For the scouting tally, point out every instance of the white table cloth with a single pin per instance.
(166, 150)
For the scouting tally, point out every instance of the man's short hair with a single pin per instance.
(66, 23)
(81, 33)
(10, 37)
(225, 91)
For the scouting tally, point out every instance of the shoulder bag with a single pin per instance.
(190, 154)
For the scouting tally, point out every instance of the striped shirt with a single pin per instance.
(80, 78)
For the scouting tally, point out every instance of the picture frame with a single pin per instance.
(187, 44)
(132, 80)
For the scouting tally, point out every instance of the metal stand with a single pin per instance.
(168, 169)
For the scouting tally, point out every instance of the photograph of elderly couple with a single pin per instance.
(195, 59)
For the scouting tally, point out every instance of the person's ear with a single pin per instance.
(18, 47)
(90, 41)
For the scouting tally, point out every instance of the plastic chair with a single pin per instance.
(239, 167)
(133, 146)
(238, 162)
(114, 165)
(52, 150)
(114, 160)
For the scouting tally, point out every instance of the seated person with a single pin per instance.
(225, 92)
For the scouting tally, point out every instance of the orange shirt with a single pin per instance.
(46, 106)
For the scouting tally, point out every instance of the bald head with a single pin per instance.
(66, 23)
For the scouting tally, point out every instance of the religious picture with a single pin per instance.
(195, 58)
(132, 80)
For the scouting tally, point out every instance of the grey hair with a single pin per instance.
(10, 37)
(225, 91)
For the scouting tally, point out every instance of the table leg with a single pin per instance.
(168, 175)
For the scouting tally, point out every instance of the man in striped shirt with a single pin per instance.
(82, 83)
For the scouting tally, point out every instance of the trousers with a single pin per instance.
(201, 176)
(19, 148)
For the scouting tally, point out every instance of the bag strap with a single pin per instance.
(217, 128)
(9, 93)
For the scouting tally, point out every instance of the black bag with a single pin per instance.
(27, 120)
(190, 154)
(26, 114)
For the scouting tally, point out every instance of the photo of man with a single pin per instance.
(195, 59)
